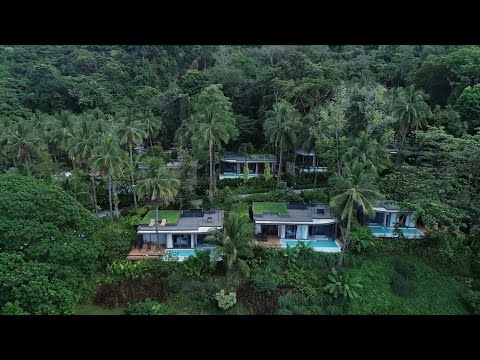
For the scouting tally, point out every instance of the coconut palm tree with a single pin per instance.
(411, 110)
(108, 159)
(212, 131)
(309, 137)
(234, 243)
(354, 188)
(158, 184)
(131, 132)
(82, 145)
(152, 124)
(62, 130)
(281, 126)
(22, 141)
(369, 152)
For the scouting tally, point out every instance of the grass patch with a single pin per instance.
(172, 216)
(432, 293)
(90, 309)
(261, 207)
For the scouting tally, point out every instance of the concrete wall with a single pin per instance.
(258, 229)
(169, 241)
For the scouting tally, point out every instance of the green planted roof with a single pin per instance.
(260, 207)
(172, 216)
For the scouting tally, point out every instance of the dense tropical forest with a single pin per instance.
(389, 122)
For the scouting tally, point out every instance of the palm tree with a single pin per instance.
(411, 110)
(62, 130)
(310, 138)
(369, 152)
(152, 124)
(22, 141)
(211, 131)
(82, 145)
(108, 159)
(159, 184)
(131, 132)
(354, 188)
(234, 243)
(280, 126)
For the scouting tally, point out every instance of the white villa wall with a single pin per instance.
(258, 229)
(169, 241)
(282, 231)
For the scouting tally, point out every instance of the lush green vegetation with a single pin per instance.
(260, 207)
(171, 216)
(128, 130)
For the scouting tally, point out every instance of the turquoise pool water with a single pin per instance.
(389, 231)
(184, 253)
(318, 245)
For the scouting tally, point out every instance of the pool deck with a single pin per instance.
(136, 254)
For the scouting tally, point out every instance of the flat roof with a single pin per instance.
(299, 213)
(195, 220)
(236, 157)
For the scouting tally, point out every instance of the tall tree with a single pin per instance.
(108, 159)
(234, 243)
(62, 130)
(281, 126)
(369, 152)
(216, 124)
(411, 110)
(131, 132)
(82, 145)
(152, 124)
(22, 141)
(158, 184)
(354, 188)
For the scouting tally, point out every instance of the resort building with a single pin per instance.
(231, 165)
(179, 232)
(287, 224)
(307, 162)
(387, 215)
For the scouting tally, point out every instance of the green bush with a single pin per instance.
(198, 265)
(199, 295)
(277, 195)
(317, 195)
(472, 300)
(116, 239)
(299, 304)
(306, 282)
(400, 286)
(265, 281)
(174, 283)
(361, 240)
(343, 285)
(148, 307)
(225, 301)
(404, 268)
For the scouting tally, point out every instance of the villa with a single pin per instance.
(231, 165)
(179, 232)
(287, 224)
(387, 215)
(307, 162)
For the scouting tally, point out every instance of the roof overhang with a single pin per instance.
(292, 222)
(200, 230)
(381, 209)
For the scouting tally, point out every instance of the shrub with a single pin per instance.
(302, 280)
(116, 238)
(199, 295)
(275, 196)
(174, 283)
(148, 307)
(299, 304)
(317, 195)
(400, 286)
(343, 285)
(361, 240)
(472, 300)
(404, 268)
(198, 265)
(124, 269)
(225, 301)
(265, 281)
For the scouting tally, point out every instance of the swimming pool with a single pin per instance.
(383, 231)
(182, 254)
(318, 245)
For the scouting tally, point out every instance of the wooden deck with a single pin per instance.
(136, 254)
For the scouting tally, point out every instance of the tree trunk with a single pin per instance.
(28, 159)
(115, 199)
(316, 173)
(131, 173)
(400, 149)
(56, 162)
(110, 195)
(280, 165)
(94, 188)
(156, 226)
(14, 162)
(211, 170)
(345, 242)
(151, 141)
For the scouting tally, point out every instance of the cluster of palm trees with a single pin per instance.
(90, 141)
